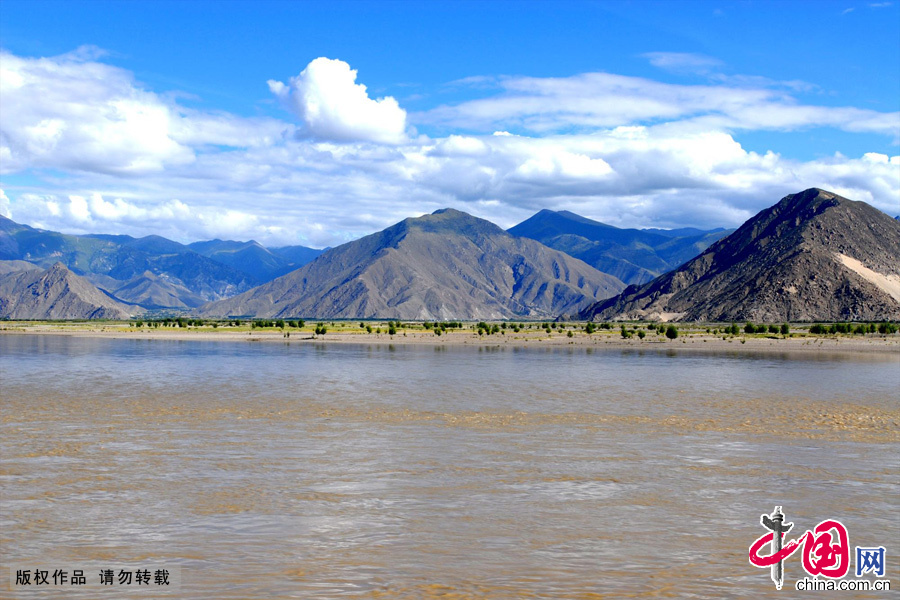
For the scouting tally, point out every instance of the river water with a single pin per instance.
(332, 471)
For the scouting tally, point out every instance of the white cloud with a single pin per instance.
(591, 101)
(326, 97)
(67, 112)
(4, 205)
(626, 151)
(683, 62)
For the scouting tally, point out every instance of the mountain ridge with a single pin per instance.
(633, 255)
(55, 293)
(446, 265)
(809, 257)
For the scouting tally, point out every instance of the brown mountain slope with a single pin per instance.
(814, 256)
(447, 265)
(56, 293)
(148, 290)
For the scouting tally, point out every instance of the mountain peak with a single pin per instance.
(449, 221)
(444, 265)
(56, 293)
(812, 256)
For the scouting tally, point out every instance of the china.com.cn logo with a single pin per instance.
(825, 553)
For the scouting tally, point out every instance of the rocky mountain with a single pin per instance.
(814, 256)
(148, 290)
(633, 255)
(183, 276)
(447, 265)
(56, 293)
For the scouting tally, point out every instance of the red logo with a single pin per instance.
(826, 548)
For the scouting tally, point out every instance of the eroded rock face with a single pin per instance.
(814, 256)
(447, 265)
(56, 293)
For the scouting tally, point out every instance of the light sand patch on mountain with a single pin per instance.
(889, 284)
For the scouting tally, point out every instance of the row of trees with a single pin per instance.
(484, 328)
(858, 329)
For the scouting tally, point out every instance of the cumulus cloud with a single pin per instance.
(332, 106)
(635, 153)
(4, 205)
(71, 112)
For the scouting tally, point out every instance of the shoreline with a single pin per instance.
(700, 341)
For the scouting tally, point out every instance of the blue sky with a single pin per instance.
(215, 119)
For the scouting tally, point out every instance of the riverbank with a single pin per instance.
(697, 340)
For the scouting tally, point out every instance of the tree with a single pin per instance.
(671, 332)
(785, 329)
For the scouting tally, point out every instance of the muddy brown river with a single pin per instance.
(345, 471)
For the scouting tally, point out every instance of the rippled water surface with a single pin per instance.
(326, 471)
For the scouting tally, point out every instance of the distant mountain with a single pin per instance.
(633, 255)
(814, 256)
(14, 266)
(687, 232)
(298, 255)
(182, 276)
(447, 265)
(148, 290)
(56, 293)
(251, 258)
(123, 258)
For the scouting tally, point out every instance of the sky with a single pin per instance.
(316, 123)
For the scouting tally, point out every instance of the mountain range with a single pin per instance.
(633, 255)
(446, 265)
(813, 256)
(152, 271)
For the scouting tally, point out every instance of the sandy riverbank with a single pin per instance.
(694, 341)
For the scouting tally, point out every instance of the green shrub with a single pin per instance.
(671, 332)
